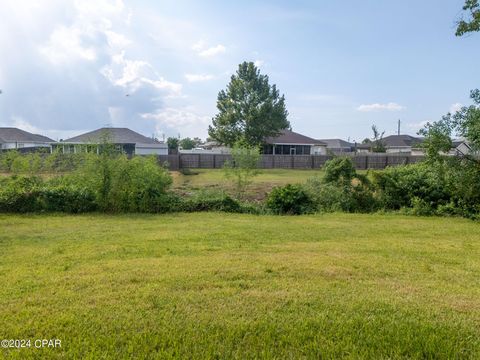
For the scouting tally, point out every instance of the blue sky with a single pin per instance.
(67, 66)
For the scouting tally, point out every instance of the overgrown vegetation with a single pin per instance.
(446, 186)
(242, 167)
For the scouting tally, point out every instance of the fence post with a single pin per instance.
(292, 160)
(214, 161)
(386, 161)
(366, 162)
(313, 161)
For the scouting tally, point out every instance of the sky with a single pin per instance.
(71, 66)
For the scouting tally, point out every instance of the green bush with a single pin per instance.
(342, 189)
(339, 170)
(20, 194)
(332, 197)
(290, 199)
(404, 186)
(210, 201)
(69, 199)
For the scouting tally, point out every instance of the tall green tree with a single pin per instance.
(172, 144)
(249, 110)
(464, 123)
(472, 22)
(187, 143)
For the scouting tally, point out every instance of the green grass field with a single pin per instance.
(210, 285)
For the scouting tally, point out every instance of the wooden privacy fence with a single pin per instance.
(217, 161)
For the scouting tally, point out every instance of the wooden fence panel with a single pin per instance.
(217, 161)
(302, 162)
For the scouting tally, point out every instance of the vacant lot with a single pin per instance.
(261, 184)
(239, 286)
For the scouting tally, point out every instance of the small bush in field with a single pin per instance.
(69, 199)
(243, 167)
(342, 189)
(289, 199)
(210, 201)
(20, 194)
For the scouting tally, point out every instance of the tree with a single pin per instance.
(472, 23)
(187, 143)
(172, 144)
(243, 166)
(464, 123)
(378, 146)
(249, 110)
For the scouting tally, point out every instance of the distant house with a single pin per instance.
(405, 144)
(13, 138)
(292, 143)
(460, 147)
(211, 147)
(125, 140)
(338, 146)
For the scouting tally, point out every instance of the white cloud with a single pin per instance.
(198, 46)
(213, 51)
(198, 77)
(173, 119)
(201, 48)
(259, 63)
(133, 74)
(380, 107)
(93, 19)
(417, 126)
(455, 107)
(65, 46)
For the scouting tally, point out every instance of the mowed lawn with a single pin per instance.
(215, 285)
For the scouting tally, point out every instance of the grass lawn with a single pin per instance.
(210, 285)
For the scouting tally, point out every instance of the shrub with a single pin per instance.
(331, 197)
(210, 201)
(290, 199)
(339, 170)
(342, 189)
(399, 186)
(20, 194)
(123, 185)
(69, 199)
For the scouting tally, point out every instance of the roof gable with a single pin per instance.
(290, 137)
(401, 141)
(11, 134)
(114, 135)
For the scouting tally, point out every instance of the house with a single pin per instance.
(338, 146)
(292, 143)
(396, 144)
(124, 140)
(213, 147)
(13, 138)
(460, 147)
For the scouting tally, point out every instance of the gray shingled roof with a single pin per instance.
(290, 137)
(11, 134)
(336, 143)
(396, 141)
(114, 135)
(401, 140)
